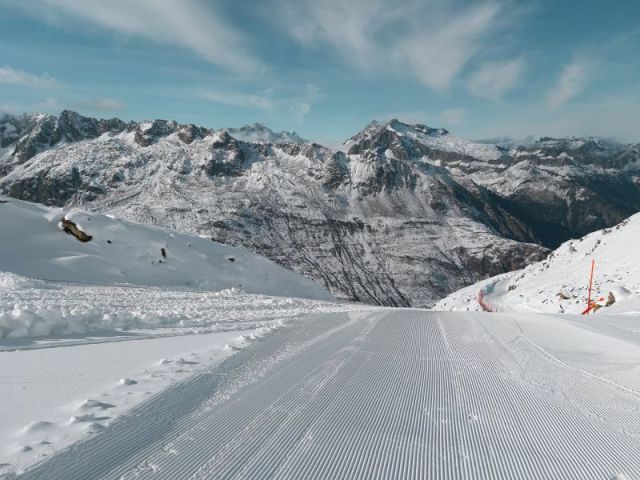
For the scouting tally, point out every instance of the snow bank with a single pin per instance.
(559, 284)
(38, 308)
(33, 244)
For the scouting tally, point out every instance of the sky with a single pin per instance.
(326, 68)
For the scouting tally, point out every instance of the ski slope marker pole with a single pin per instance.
(593, 264)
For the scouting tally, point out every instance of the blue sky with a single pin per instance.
(325, 68)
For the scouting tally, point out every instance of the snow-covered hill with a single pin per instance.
(402, 215)
(560, 283)
(33, 243)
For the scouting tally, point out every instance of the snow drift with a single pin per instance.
(34, 244)
(559, 284)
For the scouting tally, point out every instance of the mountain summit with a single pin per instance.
(258, 133)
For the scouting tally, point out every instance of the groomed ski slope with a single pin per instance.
(392, 394)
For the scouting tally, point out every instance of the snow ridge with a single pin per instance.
(559, 284)
(258, 133)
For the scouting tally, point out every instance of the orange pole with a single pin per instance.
(593, 264)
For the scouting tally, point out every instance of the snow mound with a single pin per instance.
(560, 283)
(60, 310)
(34, 244)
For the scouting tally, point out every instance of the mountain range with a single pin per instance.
(398, 215)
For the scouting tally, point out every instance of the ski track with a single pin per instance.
(384, 394)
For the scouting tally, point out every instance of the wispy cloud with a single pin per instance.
(102, 104)
(12, 109)
(192, 24)
(417, 116)
(238, 99)
(431, 41)
(453, 116)
(571, 83)
(493, 79)
(49, 104)
(301, 104)
(296, 104)
(608, 116)
(12, 76)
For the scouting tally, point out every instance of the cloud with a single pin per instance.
(616, 116)
(191, 24)
(102, 104)
(431, 41)
(301, 105)
(297, 103)
(571, 83)
(11, 109)
(238, 99)
(410, 117)
(453, 115)
(11, 76)
(493, 79)
(49, 105)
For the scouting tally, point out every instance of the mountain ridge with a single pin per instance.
(401, 215)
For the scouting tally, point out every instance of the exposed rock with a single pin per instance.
(72, 229)
(611, 299)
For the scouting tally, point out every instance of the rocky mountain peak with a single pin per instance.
(402, 141)
(259, 133)
(401, 127)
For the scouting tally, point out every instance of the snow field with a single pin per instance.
(560, 283)
(395, 394)
(85, 373)
(52, 397)
(33, 244)
(38, 309)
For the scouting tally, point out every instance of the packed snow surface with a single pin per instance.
(75, 357)
(33, 244)
(401, 394)
(560, 283)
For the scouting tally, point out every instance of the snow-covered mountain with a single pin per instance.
(34, 242)
(560, 283)
(258, 133)
(402, 215)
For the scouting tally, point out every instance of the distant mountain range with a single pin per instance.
(399, 215)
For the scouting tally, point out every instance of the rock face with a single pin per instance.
(258, 133)
(401, 215)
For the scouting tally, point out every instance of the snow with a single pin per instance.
(438, 139)
(258, 133)
(89, 330)
(33, 308)
(32, 244)
(394, 393)
(560, 283)
(54, 396)
(74, 357)
(446, 142)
